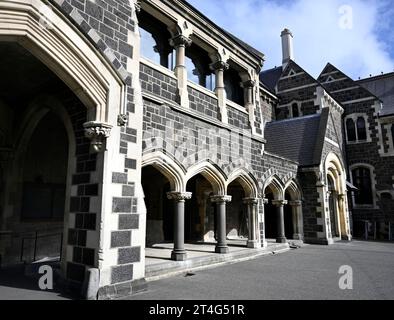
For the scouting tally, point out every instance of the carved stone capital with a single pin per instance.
(279, 203)
(180, 40)
(218, 199)
(179, 196)
(219, 65)
(123, 119)
(296, 203)
(137, 5)
(97, 132)
(265, 201)
(249, 84)
(251, 201)
(342, 196)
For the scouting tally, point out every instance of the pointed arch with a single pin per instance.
(293, 189)
(168, 167)
(276, 185)
(68, 54)
(213, 174)
(247, 181)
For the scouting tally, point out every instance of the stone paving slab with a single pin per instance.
(201, 256)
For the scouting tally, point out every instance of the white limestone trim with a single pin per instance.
(168, 167)
(343, 90)
(373, 185)
(213, 40)
(358, 100)
(289, 106)
(236, 106)
(292, 75)
(66, 52)
(201, 89)
(335, 144)
(270, 94)
(297, 88)
(339, 79)
(200, 116)
(329, 73)
(325, 100)
(388, 140)
(211, 173)
(158, 67)
(246, 180)
(333, 167)
(354, 117)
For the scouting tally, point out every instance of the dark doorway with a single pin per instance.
(289, 223)
(160, 210)
(270, 217)
(199, 211)
(333, 207)
(237, 216)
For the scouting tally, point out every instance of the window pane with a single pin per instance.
(148, 47)
(296, 114)
(362, 180)
(361, 129)
(351, 130)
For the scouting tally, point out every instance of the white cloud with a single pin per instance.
(318, 36)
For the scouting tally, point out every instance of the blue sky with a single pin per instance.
(355, 35)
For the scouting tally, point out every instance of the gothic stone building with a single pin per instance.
(125, 124)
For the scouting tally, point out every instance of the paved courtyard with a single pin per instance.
(307, 273)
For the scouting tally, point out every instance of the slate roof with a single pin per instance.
(300, 139)
(270, 78)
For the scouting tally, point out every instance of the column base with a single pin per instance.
(298, 236)
(178, 255)
(253, 244)
(281, 240)
(221, 249)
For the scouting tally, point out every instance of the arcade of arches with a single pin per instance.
(201, 215)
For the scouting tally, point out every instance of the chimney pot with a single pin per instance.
(287, 46)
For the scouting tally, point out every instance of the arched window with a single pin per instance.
(197, 65)
(232, 82)
(351, 130)
(361, 129)
(362, 181)
(155, 37)
(296, 112)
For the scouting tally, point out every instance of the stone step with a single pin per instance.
(172, 268)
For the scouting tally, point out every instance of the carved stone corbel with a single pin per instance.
(97, 133)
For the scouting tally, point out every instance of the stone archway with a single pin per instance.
(335, 200)
(294, 224)
(99, 92)
(274, 202)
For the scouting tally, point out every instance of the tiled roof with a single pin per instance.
(296, 139)
(270, 77)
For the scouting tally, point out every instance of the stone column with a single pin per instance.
(179, 252)
(296, 207)
(221, 246)
(249, 102)
(219, 67)
(180, 43)
(251, 203)
(263, 240)
(281, 237)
